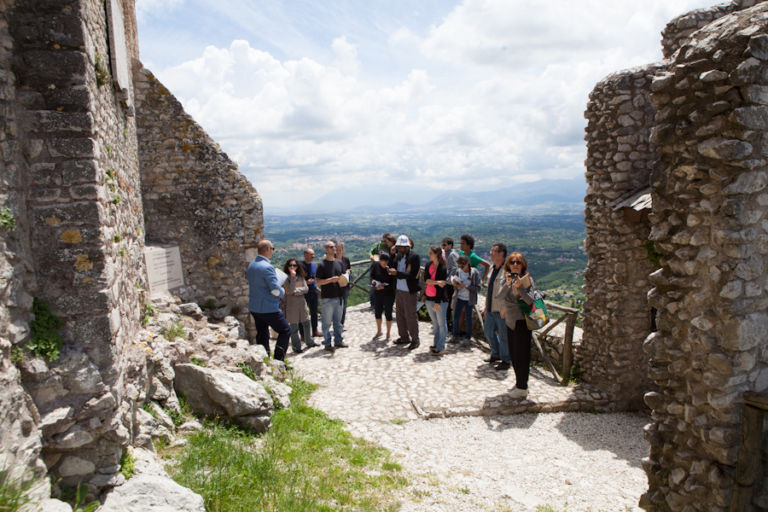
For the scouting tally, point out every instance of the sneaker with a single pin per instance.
(451, 339)
(312, 344)
(401, 341)
(413, 345)
(376, 336)
(298, 350)
(342, 345)
(502, 366)
(436, 352)
(386, 339)
(329, 348)
(518, 393)
(491, 359)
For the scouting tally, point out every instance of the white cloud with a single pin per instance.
(495, 93)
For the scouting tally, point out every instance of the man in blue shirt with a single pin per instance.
(264, 297)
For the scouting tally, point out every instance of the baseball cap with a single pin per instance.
(402, 241)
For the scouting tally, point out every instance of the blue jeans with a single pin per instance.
(462, 304)
(496, 334)
(331, 310)
(439, 322)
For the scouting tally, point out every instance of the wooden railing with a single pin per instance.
(569, 316)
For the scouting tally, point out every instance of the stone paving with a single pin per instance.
(377, 381)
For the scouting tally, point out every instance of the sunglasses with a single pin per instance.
(293, 265)
(515, 262)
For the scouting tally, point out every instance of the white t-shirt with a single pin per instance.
(463, 278)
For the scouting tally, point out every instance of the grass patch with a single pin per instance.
(12, 492)
(127, 464)
(306, 462)
(173, 331)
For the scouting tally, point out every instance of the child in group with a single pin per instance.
(467, 283)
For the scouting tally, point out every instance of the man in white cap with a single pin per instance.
(405, 267)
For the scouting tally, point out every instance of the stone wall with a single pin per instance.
(196, 198)
(617, 317)
(20, 438)
(710, 226)
(84, 222)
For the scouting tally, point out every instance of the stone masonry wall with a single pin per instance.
(20, 438)
(196, 198)
(710, 225)
(616, 313)
(86, 232)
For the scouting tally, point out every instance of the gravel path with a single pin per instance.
(439, 416)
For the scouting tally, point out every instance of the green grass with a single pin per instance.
(173, 331)
(306, 462)
(12, 492)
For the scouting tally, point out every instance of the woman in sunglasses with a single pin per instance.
(518, 286)
(295, 306)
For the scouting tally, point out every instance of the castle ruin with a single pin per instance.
(677, 301)
(98, 160)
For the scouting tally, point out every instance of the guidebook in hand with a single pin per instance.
(281, 276)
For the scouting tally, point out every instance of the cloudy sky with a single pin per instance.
(376, 99)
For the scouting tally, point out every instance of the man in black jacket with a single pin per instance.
(405, 267)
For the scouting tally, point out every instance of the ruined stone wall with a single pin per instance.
(85, 229)
(20, 438)
(196, 198)
(710, 225)
(616, 313)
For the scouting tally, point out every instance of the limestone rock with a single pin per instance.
(152, 493)
(219, 392)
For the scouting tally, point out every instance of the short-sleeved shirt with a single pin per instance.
(326, 269)
(474, 259)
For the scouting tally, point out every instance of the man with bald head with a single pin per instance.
(264, 297)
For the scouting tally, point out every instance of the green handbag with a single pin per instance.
(536, 315)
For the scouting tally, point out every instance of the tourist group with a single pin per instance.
(287, 300)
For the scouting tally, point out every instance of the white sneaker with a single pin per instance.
(518, 393)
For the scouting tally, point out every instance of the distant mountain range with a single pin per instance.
(543, 195)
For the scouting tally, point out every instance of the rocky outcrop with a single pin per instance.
(151, 490)
(222, 393)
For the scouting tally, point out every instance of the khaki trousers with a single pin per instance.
(406, 316)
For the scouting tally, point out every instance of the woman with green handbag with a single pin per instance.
(518, 287)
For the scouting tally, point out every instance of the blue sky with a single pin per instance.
(395, 99)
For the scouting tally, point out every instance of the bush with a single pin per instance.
(46, 340)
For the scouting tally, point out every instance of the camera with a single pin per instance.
(514, 275)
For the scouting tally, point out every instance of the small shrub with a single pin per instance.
(147, 407)
(101, 70)
(127, 463)
(174, 331)
(209, 304)
(17, 356)
(197, 362)
(7, 219)
(177, 417)
(149, 312)
(247, 371)
(46, 340)
(652, 254)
